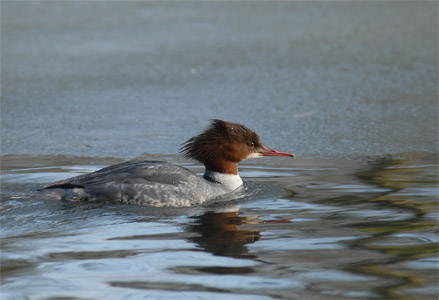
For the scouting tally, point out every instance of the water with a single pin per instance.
(120, 79)
(309, 228)
(350, 87)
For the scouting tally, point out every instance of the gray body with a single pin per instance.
(149, 183)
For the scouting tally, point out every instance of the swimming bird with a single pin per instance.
(153, 183)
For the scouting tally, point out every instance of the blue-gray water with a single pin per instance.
(306, 229)
(349, 87)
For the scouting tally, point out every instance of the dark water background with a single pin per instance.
(349, 87)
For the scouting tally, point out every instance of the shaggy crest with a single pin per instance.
(204, 147)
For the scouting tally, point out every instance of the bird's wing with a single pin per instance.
(129, 172)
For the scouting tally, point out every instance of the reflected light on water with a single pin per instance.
(349, 230)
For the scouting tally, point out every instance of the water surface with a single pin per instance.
(350, 87)
(121, 78)
(309, 228)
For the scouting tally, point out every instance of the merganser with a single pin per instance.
(153, 183)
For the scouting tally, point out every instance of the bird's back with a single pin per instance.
(150, 183)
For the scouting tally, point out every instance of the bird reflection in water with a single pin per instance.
(220, 233)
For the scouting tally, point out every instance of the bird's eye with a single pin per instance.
(252, 144)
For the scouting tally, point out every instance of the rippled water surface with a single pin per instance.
(316, 228)
(85, 84)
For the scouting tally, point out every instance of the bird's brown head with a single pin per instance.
(224, 144)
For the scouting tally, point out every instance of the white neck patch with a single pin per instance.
(228, 181)
(253, 155)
